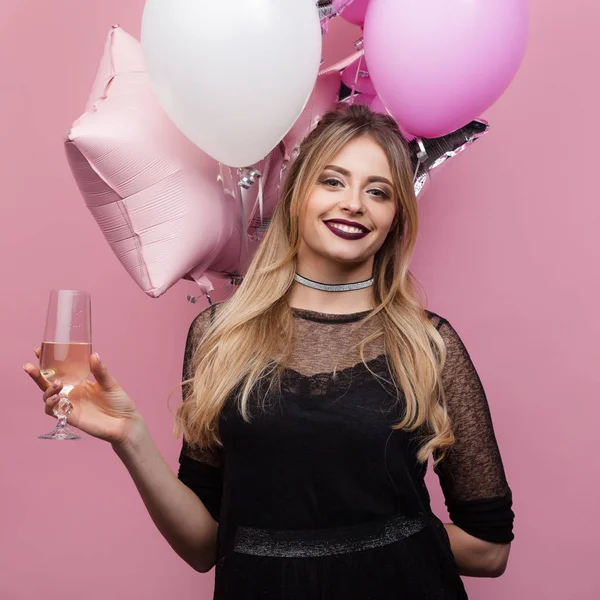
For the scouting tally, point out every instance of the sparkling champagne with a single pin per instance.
(69, 362)
(65, 352)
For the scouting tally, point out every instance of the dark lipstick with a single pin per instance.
(346, 235)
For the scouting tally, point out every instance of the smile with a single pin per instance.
(347, 228)
(346, 232)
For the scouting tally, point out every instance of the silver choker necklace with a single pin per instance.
(333, 287)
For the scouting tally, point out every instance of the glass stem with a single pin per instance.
(63, 409)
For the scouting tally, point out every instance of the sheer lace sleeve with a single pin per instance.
(472, 475)
(200, 470)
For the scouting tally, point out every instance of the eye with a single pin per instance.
(379, 193)
(330, 182)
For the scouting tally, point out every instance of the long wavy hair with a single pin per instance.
(251, 336)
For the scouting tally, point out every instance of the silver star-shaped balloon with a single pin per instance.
(429, 153)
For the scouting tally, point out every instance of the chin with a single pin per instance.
(345, 258)
(345, 250)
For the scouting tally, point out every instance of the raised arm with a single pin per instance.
(173, 504)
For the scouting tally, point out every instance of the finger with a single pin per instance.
(35, 374)
(37, 351)
(51, 405)
(105, 380)
(55, 388)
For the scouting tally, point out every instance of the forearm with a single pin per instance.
(177, 512)
(476, 557)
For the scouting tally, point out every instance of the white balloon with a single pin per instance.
(233, 75)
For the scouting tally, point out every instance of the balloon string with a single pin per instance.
(265, 171)
(260, 198)
(416, 172)
(244, 224)
(421, 157)
(342, 64)
(283, 167)
(355, 82)
(240, 196)
(222, 179)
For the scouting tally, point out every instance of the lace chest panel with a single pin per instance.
(326, 356)
(326, 385)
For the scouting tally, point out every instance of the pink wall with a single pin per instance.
(506, 253)
(107, 544)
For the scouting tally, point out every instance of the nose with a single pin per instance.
(352, 199)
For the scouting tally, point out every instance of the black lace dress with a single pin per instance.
(318, 499)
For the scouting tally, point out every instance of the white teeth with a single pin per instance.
(346, 228)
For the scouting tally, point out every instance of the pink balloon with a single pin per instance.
(364, 85)
(354, 11)
(154, 194)
(378, 106)
(438, 64)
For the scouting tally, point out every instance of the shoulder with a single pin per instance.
(197, 328)
(201, 322)
(451, 337)
(205, 316)
(437, 320)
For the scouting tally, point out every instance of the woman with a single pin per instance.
(313, 399)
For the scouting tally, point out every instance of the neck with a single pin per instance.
(332, 302)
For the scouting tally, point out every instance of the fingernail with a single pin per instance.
(53, 398)
(98, 357)
(25, 367)
(55, 384)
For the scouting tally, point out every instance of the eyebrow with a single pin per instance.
(370, 179)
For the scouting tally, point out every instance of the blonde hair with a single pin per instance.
(251, 337)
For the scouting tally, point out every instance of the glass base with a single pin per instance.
(61, 433)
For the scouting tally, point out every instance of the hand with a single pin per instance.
(101, 409)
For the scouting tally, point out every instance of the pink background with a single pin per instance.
(508, 252)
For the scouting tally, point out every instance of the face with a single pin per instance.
(355, 186)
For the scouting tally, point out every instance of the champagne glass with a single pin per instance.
(65, 352)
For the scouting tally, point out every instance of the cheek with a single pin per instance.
(385, 217)
(308, 221)
(317, 206)
(318, 201)
(309, 214)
